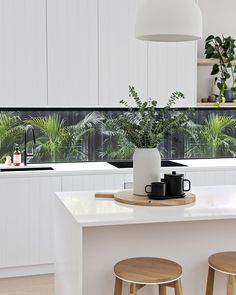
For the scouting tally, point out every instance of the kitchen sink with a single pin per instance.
(129, 164)
(14, 169)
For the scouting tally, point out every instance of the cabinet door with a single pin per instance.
(72, 52)
(22, 53)
(172, 67)
(122, 58)
(26, 220)
(207, 178)
(92, 182)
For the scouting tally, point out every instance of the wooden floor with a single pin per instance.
(33, 285)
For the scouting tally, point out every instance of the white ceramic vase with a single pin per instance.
(146, 169)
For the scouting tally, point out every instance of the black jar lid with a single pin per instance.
(174, 174)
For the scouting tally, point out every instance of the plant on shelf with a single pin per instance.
(144, 126)
(222, 49)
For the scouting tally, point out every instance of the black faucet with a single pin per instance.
(26, 155)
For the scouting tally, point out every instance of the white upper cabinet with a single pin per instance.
(22, 53)
(122, 58)
(84, 53)
(72, 52)
(172, 67)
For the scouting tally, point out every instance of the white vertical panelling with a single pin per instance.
(22, 53)
(211, 178)
(89, 54)
(34, 216)
(72, 52)
(92, 182)
(172, 67)
(122, 58)
(26, 236)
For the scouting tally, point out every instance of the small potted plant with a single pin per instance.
(223, 49)
(144, 126)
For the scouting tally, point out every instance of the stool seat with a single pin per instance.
(148, 270)
(224, 262)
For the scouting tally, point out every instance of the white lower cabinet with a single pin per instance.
(206, 178)
(26, 215)
(92, 182)
(26, 221)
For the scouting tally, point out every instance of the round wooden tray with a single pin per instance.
(128, 198)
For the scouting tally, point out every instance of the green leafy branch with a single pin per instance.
(144, 126)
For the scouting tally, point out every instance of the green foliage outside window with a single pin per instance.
(97, 136)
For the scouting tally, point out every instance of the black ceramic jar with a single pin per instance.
(175, 184)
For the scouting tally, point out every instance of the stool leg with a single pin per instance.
(162, 290)
(178, 287)
(230, 285)
(118, 287)
(210, 281)
(133, 289)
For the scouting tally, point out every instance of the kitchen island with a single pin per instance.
(93, 234)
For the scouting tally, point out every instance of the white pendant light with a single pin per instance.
(168, 21)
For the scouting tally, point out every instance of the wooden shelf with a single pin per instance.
(209, 62)
(211, 104)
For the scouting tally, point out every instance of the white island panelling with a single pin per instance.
(122, 58)
(23, 79)
(72, 52)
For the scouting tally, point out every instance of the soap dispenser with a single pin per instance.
(17, 156)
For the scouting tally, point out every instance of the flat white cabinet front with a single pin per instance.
(72, 52)
(26, 220)
(23, 67)
(122, 58)
(172, 67)
(217, 177)
(92, 182)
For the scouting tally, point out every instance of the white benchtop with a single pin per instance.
(105, 168)
(209, 164)
(62, 169)
(212, 203)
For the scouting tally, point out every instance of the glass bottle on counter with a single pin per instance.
(16, 156)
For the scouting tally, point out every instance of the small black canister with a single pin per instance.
(175, 184)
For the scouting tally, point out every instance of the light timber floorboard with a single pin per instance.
(32, 285)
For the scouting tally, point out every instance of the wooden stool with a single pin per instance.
(148, 271)
(224, 262)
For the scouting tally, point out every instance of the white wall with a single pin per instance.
(218, 18)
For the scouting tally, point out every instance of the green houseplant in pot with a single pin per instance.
(222, 49)
(144, 126)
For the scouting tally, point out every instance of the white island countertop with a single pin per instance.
(212, 203)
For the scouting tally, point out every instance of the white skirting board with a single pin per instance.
(26, 270)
